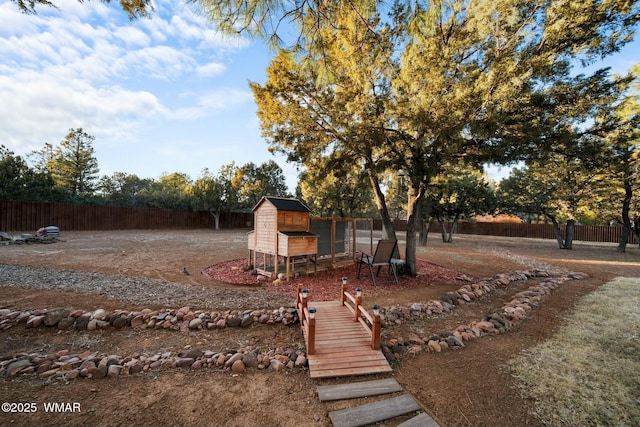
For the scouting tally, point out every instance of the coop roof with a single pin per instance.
(298, 233)
(283, 204)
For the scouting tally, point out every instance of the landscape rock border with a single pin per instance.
(65, 365)
(500, 321)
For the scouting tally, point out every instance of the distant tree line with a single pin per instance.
(69, 173)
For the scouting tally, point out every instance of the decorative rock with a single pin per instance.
(233, 359)
(102, 323)
(49, 373)
(82, 322)
(87, 364)
(35, 321)
(137, 321)
(194, 353)
(73, 374)
(195, 323)
(101, 372)
(53, 317)
(250, 359)
(184, 361)
(301, 360)
(276, 365)
(414, 339)
(114, 370)
(119, 322)
(66, 323)
(237, 367)
(233, 321)
(184, 326)
(485, 326)
(17, 366)
(247, 320)
(414, 350)
(454, 341)
(434, 346)
(220, 360)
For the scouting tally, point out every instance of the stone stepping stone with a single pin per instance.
(359, 389)
(374, 412)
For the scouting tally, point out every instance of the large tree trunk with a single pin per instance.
(558, 233)
(626, 221)
(454, 228)
(425, 214)
(413, 217)
(388, 232)
(216, 219)
(568, 241)
(447, 235)
(443, 230)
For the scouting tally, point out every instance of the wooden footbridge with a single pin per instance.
(342, 337)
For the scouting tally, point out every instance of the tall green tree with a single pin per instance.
(216, 192)
(73, 164)
(621, 178)
(571, 151)
(333, 192)
(171, 191)
(122, 189)
(254, 182)
(20, 182)
(437, 82)
(461, 194)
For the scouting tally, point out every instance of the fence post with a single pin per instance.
(375, 332)
(343, 289)
(358, 303)
(311, 336)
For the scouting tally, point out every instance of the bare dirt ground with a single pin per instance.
(466, 387)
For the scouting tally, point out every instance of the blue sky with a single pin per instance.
(161, 95)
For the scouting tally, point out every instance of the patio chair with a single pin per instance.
(382, 257)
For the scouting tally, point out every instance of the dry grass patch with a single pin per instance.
(588, 373)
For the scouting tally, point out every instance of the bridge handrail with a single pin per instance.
(307, 324)
(354, 304)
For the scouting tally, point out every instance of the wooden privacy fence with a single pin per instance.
(587, 233)
(30, 216)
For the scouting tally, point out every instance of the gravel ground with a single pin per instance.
(139, 290)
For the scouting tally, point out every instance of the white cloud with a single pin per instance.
(211, 69)
(149, 86)
(132, 37)
(212, 101)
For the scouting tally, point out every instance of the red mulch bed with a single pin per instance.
(325, 285)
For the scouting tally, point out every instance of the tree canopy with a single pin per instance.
(432, 84)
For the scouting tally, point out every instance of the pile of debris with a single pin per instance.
(49, 234)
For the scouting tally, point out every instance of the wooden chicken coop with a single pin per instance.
(281, 229)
